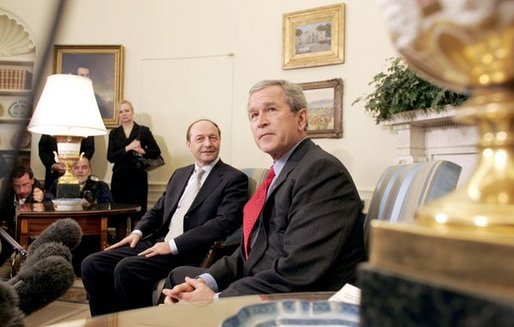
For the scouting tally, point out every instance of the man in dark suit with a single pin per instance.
(92, 190)
(202, 203)
(308, 235)
(23, 188)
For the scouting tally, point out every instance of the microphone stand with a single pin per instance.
(16, 246)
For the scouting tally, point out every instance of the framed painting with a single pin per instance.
(313, 37)
(324, 101)
(103, 64)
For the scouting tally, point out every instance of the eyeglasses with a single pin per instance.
(18, 187)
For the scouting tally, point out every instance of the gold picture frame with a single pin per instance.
(324, 101)
(103, 64)
(313, 37)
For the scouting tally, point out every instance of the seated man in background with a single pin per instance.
(92, 190)
(47, 153)
(24, 188)
(306, 233)
(202, 203)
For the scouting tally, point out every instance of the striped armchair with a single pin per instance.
(403, 188)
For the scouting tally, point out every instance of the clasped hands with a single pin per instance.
(58, 167)
(192, 290)
(135, 146)
(37, 194)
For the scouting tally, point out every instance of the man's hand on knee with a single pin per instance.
(159, 248)
(132, 239)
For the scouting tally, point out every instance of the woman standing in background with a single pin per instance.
(129, 184)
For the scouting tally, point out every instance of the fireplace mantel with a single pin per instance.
(428, 135)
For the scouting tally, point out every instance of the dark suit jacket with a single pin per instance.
(215, 213)
(48, 144)
(94, 190)
(8, 213)
(310, 231)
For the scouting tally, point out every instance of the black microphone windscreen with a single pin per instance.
(43, 283)
(45, 250)
(10, 315)
(66, 231)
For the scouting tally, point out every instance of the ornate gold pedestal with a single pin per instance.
(69, 153)
(467, 45)
(463, 261)
(486, 204)
(462, 245)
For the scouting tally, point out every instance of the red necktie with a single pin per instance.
(253, 208)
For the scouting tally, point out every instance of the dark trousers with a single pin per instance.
(119, 279)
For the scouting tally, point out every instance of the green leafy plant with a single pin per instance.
(399, 89)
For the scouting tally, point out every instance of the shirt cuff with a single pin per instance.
(173, 247)
(211, 282)
(137, 232)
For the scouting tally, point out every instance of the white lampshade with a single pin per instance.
(68, 107)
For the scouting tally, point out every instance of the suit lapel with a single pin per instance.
(135, 132)
(213, 180)
(179, 186)
(291, 163)
(261, 243)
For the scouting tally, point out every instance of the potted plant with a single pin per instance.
(399, 89)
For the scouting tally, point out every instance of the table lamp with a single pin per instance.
(67, 110)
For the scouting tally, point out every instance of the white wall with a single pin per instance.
(234, 44)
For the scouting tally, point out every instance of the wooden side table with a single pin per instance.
(32, 219)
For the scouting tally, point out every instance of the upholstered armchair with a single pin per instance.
(403, 188)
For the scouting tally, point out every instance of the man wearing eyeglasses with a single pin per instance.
(24, 189)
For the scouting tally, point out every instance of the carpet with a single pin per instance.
(76, 294)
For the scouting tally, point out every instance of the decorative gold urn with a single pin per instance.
(69, 154)
(467, 45)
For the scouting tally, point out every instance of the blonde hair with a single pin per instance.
(126, 102)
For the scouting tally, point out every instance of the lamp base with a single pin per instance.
(68, 147)
(68, 190)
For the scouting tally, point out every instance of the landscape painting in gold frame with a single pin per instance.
(313, 37)
(103, 64)
(324, 102)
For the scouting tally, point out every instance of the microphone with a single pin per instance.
(47, 273)
(10, 315)
(47, 250)
(42, 282)
(66, 231)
